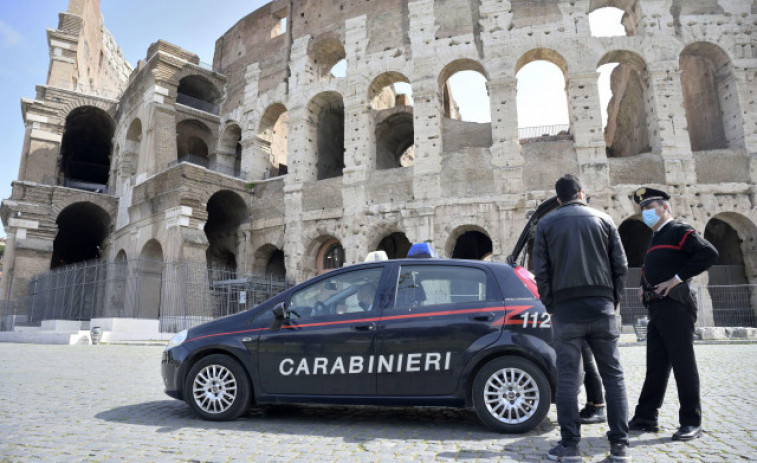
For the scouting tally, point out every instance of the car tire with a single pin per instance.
(511, 394)
(217, 388)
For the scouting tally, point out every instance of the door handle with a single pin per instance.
(483, 317)
(367, 327)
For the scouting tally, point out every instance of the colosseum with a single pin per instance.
(150, 193)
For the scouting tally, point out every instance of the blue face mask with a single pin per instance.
(649, 216)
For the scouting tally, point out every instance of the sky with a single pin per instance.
(191, 24)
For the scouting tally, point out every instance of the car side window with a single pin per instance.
(430, 285)
(343, 293)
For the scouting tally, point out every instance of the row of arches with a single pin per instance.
(708, 85)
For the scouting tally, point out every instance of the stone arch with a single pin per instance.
(324, 54)
(230, 150)
(83, 227)
(322, 250)
(449, 105)
(630, 112)
(326, 113)
(270, 261)
(192, 141)
(272, 138)
(632, 12)
(710, 98)
(396, 245)
(85, 150)
(733, 302)
(132, 147)
(549, 70)
(226, 212)
(395, 138)
(150, 280)
(381, 92)
(469, 242)
(199, 93)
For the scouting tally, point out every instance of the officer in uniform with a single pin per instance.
(675, 255)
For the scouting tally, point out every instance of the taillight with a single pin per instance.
(528, 279)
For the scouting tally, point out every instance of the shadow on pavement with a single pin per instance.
(355, 424)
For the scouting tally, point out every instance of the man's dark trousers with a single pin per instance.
(670, 344)
(602, 335)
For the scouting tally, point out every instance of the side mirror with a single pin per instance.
(279, 315)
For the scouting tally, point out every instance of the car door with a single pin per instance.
(438, 316)
(325, 346)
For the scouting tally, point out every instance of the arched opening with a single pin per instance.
(328, 58)
(150, 280)
(729, 268)
(542, 102)
(327, 112)
(395, 245)
(230, 149)
(626, 101)
(395, 140)
(197, 92)
(390, 96)
(192, 141)
(276, 268)
(86, 148)
(465, 96)
(472, 245)
(727, 279)
(330, 256)
(132, 148)
(613, 18)
(82, 229)
(226, 212)
(272, 137)
(270, 262)
(710, 98)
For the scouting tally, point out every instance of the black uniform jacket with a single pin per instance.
(676, 249)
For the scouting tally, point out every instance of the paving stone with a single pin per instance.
(106, 404)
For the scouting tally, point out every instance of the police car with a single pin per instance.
(414, 331)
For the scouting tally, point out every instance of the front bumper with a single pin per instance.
(171, 370)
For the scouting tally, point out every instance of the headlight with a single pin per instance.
(177, 339)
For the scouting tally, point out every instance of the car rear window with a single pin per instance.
(432, 285)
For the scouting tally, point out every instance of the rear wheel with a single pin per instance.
(511, 394)
(217, 388)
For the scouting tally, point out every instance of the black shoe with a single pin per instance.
(564, 454)
(619, 453)
(688, 433)
(592, 414)
(641, 424)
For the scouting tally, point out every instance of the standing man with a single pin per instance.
(580, 267)
(675, 255)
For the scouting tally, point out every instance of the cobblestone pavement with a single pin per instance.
(105, 403)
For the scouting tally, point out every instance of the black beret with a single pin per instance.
(645, 194)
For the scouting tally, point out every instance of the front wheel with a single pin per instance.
(217, 388)
(511, 394)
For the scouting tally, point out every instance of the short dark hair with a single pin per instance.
(567, 187)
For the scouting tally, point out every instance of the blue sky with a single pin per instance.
(192, 24)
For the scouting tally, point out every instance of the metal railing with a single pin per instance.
(179, 294)
(719, 306)
(543, 131)
(197, 103)
(53, 180)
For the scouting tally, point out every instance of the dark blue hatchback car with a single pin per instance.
(397, 332)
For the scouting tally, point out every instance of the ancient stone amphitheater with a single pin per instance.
(267, 163)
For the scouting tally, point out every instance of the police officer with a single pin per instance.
(675, 255)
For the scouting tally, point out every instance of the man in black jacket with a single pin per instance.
(675, 255)
(580, 268)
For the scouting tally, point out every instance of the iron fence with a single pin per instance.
(727, 305)
(180, 294)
